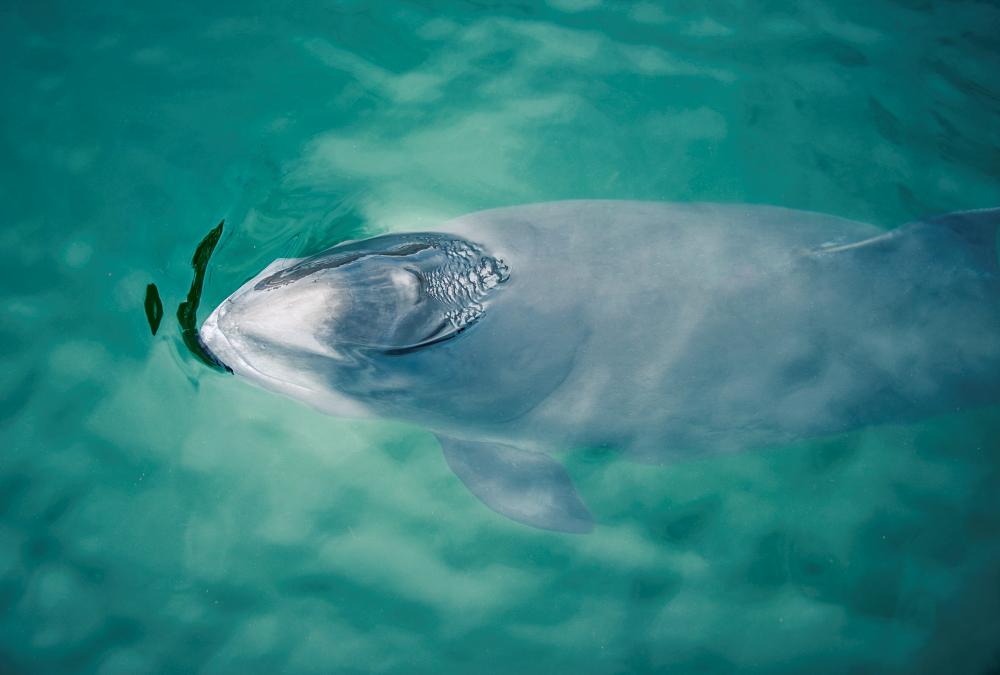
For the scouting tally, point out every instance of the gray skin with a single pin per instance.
(658, 330)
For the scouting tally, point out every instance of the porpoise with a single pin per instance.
(658, 330)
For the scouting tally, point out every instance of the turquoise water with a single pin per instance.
(156, 516)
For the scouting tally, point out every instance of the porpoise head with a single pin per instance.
(306, 327)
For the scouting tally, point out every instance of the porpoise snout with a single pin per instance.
(208, 338)
(213, 343)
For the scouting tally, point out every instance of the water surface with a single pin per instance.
(157, 516)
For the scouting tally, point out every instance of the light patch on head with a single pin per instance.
(294, 315)
(234, 341)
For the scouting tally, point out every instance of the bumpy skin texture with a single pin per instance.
(661, 330)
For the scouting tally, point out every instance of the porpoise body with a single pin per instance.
(658, 330)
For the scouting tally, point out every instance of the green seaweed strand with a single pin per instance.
(187, 311)
(154, 307)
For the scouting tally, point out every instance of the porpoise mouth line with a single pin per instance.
(206, 352)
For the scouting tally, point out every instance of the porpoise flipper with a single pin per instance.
(526, 486)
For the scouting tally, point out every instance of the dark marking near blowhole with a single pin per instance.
(187, 311)
(153, 307)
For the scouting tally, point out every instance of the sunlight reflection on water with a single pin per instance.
(155, 516)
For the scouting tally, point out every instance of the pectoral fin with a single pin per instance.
(529, 487)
